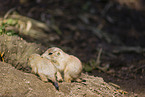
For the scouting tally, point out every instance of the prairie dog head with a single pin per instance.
(53, 53)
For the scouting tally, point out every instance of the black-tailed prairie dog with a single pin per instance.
(44, 68)
(70, 65)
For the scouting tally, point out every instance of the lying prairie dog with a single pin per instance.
(70, 65)
(44, 68)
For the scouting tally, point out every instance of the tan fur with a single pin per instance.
(43, 67)
(70, 65)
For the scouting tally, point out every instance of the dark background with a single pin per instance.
(85, 26)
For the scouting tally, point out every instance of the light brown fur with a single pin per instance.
(43, 67)
(70, 65)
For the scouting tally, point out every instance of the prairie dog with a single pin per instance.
(44, 68)
(70, 65)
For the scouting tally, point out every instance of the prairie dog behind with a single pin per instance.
(70, 65)
(44, 68)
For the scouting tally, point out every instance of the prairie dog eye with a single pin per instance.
(50, 53)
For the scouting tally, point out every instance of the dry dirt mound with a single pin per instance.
(17, 83)
(16, 50)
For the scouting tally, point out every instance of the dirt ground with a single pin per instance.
(19, 84)
(83, 27)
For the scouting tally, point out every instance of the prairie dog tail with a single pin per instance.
(53, 80)
(56, 85)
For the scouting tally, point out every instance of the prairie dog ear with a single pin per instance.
(58, 53)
